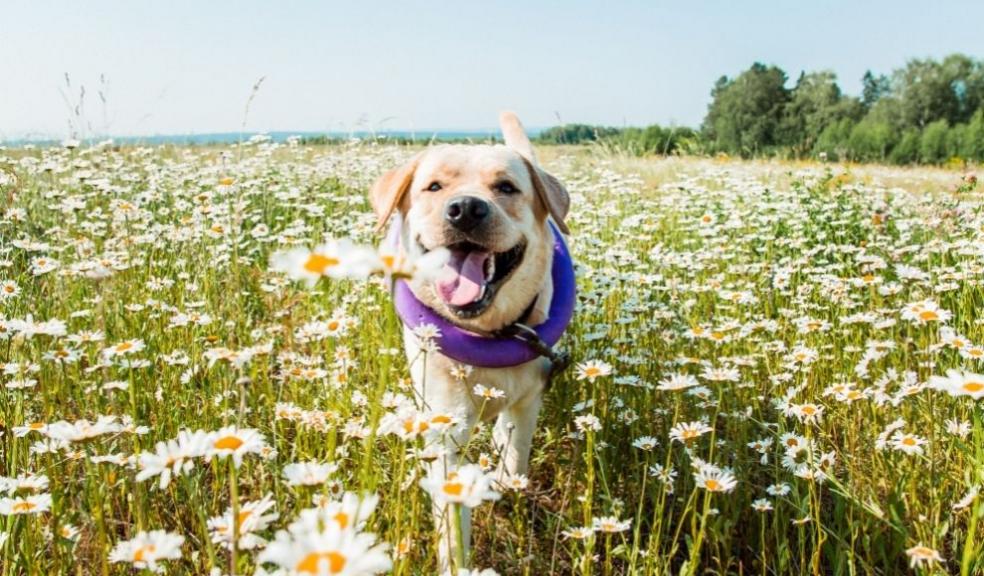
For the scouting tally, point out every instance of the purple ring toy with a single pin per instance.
(493, 352)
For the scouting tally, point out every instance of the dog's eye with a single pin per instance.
(434, 187)
(506, 188)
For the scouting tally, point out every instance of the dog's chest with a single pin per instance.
(438, 380)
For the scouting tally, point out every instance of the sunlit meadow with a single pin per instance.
(776, 372)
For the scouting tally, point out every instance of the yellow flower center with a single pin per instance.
(141, 554)
(712, 485)
(228, 443)
(343, 520)
(922, 552)
(973, 387)
(243, 516)
(809, 410)
(453, 488)
(318, 263)
(928, 315)
(309, 564)
(909, 441)
(441, 419)
(123, 347)
(24, 506)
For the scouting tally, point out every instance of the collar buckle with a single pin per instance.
(559, 360)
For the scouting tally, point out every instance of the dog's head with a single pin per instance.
(488, 205)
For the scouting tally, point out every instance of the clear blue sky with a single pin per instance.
(187, 66)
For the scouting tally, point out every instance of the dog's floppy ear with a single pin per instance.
(389, 190)
(551, 193)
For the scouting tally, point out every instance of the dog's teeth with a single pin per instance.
(481, 293)
(489, 268)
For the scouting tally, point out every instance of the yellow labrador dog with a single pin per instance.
(490, 207)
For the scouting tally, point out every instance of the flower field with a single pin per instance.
(777, 370)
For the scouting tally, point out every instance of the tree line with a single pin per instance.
(927, 112)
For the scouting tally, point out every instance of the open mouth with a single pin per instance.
(472, 275)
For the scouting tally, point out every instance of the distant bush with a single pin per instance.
(576, 134)
(636, 141)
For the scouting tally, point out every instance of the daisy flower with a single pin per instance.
(146, 549)
(578, 533)
(516, 482)
(592, 369)
(27, 505)
(174, 457)
(236, 442)
(587, 422)
(762, 505)
(252, 518)
(908, 443)
(8, 289)
(468, 486)
(920, 556)
(334, 259)
(925, 312)
(714, 479)
(349, 513)
(124, 348)
(397, 264)
(677, 381)
(687, 432)
(312, 548)
(610, 524)
(308, 473)
(83, 430)
(957, 383)
(488, 392)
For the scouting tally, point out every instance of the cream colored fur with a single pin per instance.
(523, 217)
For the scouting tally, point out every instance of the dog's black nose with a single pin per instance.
(466, 212)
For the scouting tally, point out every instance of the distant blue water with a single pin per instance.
(422, 136)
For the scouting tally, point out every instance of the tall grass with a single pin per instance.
(779, 288)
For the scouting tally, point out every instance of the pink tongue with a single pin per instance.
(460, 281)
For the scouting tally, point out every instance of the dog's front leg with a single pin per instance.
(514, 429)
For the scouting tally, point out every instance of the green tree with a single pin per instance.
(907, 150)
(834, 141)
(815, 103)
(973, 141)
(932, 145)
(928, 91)
(873, 88)
(745, 113)
(871, 140)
